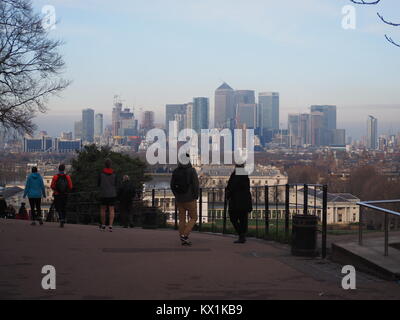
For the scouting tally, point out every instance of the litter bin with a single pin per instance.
(304, 235)
(150, 218)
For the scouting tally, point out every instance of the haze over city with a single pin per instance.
(163, 52)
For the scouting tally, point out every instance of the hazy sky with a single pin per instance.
(154, 52)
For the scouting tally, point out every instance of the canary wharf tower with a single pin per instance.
(224, 114)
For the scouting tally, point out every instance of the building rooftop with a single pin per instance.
(224, 86)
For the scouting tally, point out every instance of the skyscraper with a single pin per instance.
(88, 125)
(328, 128)
(98, 125)
(224, 113)
(294, 129)
(372, 133)
(244, 97)
(200, 114)
(175, 112)
(268, 111)
(246, 114)
(316, 128)
(78, 129)
(305, 129)
(329, 114)
(148, 120)
(116, 118)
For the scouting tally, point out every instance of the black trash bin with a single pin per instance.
(150, 218)
(304, 235)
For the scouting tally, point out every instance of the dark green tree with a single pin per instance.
(89, 162)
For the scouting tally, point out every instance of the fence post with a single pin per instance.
(256, 211)
(386, 234)
(287, 210)
(225, 207)
(266, 210)
(213, 210)
(360, 226)
(200, 208)
(276, 211)
(305, 203)
(153, 198)
(176, 216)
(324, 219)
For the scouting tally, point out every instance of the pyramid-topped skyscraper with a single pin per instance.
(224, 112)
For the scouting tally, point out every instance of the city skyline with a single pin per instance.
(277, 52)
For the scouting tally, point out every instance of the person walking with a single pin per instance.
(61, 184)
(34, 190)
(3, 207)
(239, 202)
(126, 193)
(107, 182)
(185, 187)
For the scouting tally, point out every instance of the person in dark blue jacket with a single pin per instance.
(34, 190)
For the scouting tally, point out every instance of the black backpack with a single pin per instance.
(62, 184)
(180, 181)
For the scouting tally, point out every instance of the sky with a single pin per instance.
(155, 52)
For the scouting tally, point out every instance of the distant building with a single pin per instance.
(88, 125)
(294, 129)
(268, 113)
(175, 112)
(224, 107)
(305, 129)
(316, 128)
(98, 125)
(372, 133)
(148, 120)
(67, 146)
(339, 137)
(189, 116)
(246, 114)
(66, 135)
(32, 145)
(200, 114)
(78, 129)
(328, 126)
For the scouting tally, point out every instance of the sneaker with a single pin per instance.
(62, 224)
(240, 240)
(102, 227)
(185, 241)
(109, 228)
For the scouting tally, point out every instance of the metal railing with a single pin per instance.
(386, 212)
(273, 209)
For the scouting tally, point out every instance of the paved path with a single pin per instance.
(151, 264)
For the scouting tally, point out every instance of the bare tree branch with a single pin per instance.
(392, 41)
(388, 22)
(30, 66)
(389, 39)
(363, 2)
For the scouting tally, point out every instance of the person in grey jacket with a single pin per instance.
(185, 186)
(107, 182)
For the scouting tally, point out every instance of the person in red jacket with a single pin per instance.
(61, 184)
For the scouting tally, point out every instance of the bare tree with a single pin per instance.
(389, 39)
(30, 65)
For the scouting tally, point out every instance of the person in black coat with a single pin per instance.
(239, 202)
(126, 193)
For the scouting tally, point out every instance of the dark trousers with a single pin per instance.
(60, 204)
(126, 213)
(36, 210)
(239, 220)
